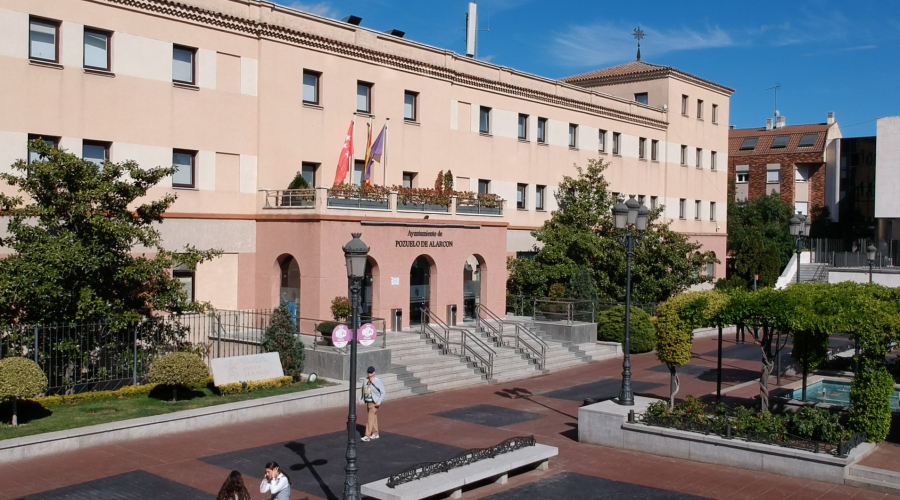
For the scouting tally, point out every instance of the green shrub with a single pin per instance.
(244, 387)
(340, 308)
(817, 424)
(299, 182)
(179, 369)
(326, 327)
(20, 378)
(870, 409)
(281, 337)
(611, 328)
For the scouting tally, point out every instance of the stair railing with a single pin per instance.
(441, 334)
(534, 346)
(483, 317)
(821, 275)
(480, 352)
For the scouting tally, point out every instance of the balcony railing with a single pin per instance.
(483, 204)
(379, 198)
(370, 199)
(290, 198)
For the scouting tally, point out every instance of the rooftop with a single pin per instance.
(778, 141)
(636, 71)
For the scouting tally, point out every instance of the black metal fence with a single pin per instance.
(524, 305)
(840, 253)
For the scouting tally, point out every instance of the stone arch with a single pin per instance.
(422, 284)
(288, 281)
(474, 285)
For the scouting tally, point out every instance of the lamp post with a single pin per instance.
(630, 217)
(355, 253)
(799, 225)
(870, 253)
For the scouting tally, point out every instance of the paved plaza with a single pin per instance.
(310, 446)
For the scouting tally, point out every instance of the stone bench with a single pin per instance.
(454, 480)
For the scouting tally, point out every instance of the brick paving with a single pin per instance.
(310, 446)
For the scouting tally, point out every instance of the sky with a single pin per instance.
(825, 55)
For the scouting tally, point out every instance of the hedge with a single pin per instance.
(21, 378)
(611, 328)
(242, 387)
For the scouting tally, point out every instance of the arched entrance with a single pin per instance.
(289, 291)
(419, 288)
(472, 279)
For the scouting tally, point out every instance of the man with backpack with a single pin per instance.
(372, 395)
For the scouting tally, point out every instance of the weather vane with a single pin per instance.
(638, 35)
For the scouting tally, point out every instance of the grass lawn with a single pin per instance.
(36, 419)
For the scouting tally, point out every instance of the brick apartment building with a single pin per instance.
(800, 162)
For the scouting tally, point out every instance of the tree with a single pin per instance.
(448, 181)
(439, 182)
(759, 239)
(281, 337)
(581, 234)
(75, 233)
(581, 286)
(20, 378)
(611, 328)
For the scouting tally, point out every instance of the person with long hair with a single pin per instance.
(276, 482)
(233, 488)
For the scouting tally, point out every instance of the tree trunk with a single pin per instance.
(174, 393)
(674, 385)
(764, 375)
(15, 418)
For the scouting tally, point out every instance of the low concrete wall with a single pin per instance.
(889, 277)
(12, 450)
(577, 333)
(335, 365)
(606, 424)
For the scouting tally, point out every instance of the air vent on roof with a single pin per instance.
(781, 141)
(808, 140)
(749, 143)
(396, 33)
(354, 20)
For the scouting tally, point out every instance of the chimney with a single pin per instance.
(831, 118)
(779, 122)
(731, 127)
(768, 124)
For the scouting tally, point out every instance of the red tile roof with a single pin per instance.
(763, 147)
(634, 70)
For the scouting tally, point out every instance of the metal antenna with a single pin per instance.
(638, 34)
(775, 88)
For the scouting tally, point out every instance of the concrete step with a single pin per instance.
(869, 478)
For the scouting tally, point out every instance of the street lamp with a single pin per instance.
(870, 253)
(799, 225)
(630, 217)
(356, 253)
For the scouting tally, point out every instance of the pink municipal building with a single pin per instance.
(241, 95)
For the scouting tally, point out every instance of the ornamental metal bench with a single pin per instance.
(472, 466)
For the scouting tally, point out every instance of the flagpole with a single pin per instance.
(352, 152)
(387, 121)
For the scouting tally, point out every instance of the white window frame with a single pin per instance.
(769, 176)
(744, 173)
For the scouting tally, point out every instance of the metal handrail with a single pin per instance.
(497, 331)
(427, 330)
(465, 350)
(538, 351)
(290, 198)
(487, 360)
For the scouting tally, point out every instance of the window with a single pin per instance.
(523, 127)
(409, 179)
(616, 143)
(521, 189)
(654, 202)
(712, 210)
(526, 255)
(95, 152)
(681, 208)
(363, 97)
(573, 135)
(715, 113)
(684, 101)
(186, 277)
(641, 199)
(697, 210)
(749, 143)
(642, 147)
(311, 87)
(183, 64)
(699, 109)
(684, 157)
(699, 158)
(712, 160)
(484, 186)
(808, 140)
(53, 142)
(743, 177)
(359, 172)
(539, 193)
(781, 141)
(711, 269)
(641, 98)
(43, 39)
(410, 101)
(801, 207)
(801, 174)
(542, 131)
(484, 120)
(96, 49)
(772, 176)
(184, 162)
(602, 143)
(308, 171)
(654, 150)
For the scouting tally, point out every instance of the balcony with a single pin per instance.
(395, 200)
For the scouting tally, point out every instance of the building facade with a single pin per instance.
(800, 162)
(243, 95)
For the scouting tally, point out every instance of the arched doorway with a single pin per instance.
(289, 291)
(419, 288)
(472, 278)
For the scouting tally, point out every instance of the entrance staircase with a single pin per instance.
(813, 273)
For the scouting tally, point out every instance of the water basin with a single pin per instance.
(835, 392)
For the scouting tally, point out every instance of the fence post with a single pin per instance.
(218, 335)
(36, 345)
(135, 381)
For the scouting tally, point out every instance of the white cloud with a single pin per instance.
(605, 43)
(858, 47)
(324, 9)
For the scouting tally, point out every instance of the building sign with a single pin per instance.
(424, 243)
